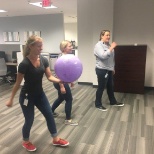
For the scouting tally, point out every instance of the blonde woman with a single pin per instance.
(64, 91)
(32, 69)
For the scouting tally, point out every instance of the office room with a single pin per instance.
(120, 130)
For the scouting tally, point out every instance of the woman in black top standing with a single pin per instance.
(32, 69)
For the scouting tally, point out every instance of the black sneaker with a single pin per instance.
(118, 104)
(55, 114)
(102, 108)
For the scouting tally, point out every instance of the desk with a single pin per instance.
(11, 64)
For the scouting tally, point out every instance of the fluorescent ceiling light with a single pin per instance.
(3, 11)
(39, 4)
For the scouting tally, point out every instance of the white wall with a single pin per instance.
(134, 23)
(51, 27)
(71, 32)
(129, 21)
(93, 16)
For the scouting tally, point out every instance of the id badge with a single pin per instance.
(106, 75)
(26, 100)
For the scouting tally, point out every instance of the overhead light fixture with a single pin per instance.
(39, 4)
(3, 11)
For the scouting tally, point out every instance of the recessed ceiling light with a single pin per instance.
(39, 4)
(3, 11)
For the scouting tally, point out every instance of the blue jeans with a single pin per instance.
(42, 103)
(61, 97)
(105, 80)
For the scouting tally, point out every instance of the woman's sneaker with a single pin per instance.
(70, 122)
(61, 142)
(55, 114)
(29, 146)
(118, 104)
(102, 108)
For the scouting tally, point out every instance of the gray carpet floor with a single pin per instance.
(120, 130)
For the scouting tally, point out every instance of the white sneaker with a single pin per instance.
(70, 122)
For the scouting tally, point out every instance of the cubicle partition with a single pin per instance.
(52, 57)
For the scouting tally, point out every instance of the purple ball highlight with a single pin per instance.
(68, 68)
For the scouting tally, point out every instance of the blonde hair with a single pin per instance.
(64, 44)
(31, 41)
(102, 33)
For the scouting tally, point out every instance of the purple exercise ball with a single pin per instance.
(68, 68)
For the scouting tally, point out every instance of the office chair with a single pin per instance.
(14, 56)
(3, 55)
(4, 75)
